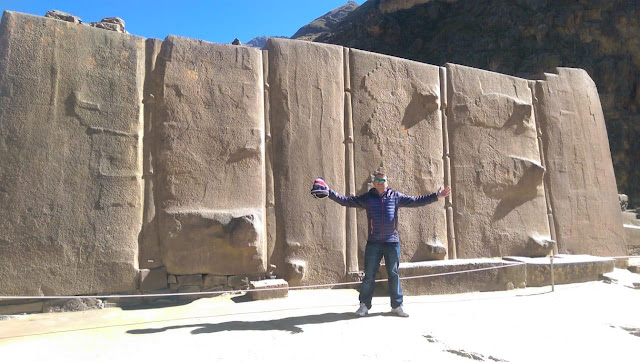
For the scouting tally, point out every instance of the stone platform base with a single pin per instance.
(515, 272)
(567, 269)
(504, 278)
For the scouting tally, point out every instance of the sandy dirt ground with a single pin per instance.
(594, 321)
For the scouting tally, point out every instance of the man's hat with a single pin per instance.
(320, 189)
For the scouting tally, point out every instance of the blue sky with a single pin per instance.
(218, 21)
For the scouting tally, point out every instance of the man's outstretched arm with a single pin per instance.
(410, 201)
(349, 201)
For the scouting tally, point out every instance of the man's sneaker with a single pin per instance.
(363, 310)
(399, 312)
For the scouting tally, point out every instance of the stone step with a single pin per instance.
(633, 234)
(268, 284)
(504, 278)
(567, 268)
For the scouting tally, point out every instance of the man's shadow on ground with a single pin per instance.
(289, 324)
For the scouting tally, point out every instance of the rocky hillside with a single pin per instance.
(521, 38)
(325, 24)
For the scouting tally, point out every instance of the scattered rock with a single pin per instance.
(56, 14)
(112, 23)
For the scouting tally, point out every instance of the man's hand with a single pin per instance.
(443, 192)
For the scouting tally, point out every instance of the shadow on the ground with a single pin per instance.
(289, 324)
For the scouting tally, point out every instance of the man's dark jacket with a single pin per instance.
(382, 210)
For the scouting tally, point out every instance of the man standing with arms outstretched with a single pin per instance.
(381, 203)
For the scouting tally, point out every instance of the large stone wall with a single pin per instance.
(195, 160)
(71, 190)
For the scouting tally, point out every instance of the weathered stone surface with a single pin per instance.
(481, 281)
(56, 14)
(566, 269)
(211, 280)
(172, 279)
(307, 108)
(210, 158)
(433, 250)
(191, 279)
(209, 242)
(70, 171)
(583, 194)
(632, 234)
(497, 178)
(281, 292)
(153, 279)
(34, 307)
(397, 125)
(238, 282)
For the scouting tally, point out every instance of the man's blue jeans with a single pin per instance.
(373, 254)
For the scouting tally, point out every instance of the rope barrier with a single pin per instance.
(329, 285)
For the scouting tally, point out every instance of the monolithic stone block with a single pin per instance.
(397, 125)
(192, 279)
(153, 279)
(210, 161)
(497, 178)
(306, 88)
(209, 242)
(280, 285)
(211, 280)
(583, 193)
(70, 170)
